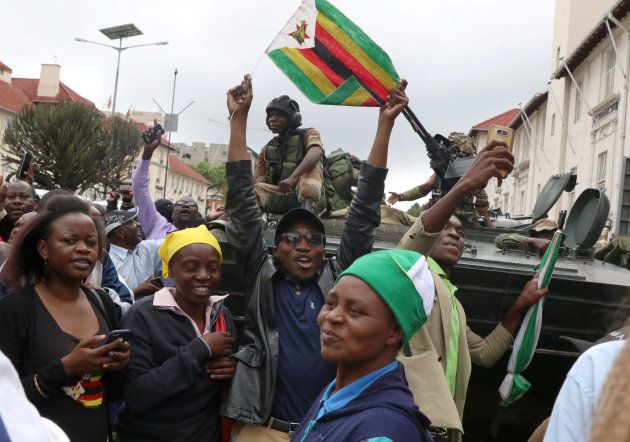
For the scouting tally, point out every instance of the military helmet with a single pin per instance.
(285, 104)
(465, 143)
(544, 224)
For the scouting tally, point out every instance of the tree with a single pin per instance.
(216, 175)
(73, 146)
(414, 210)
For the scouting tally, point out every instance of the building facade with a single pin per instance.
(579, 124)
(15, 93)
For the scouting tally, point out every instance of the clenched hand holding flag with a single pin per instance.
(330, 59)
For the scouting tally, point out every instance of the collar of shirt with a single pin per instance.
(164, 300)
(334, 400)
(437, 269)
(118, 251)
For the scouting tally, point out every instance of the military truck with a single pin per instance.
(586, 300)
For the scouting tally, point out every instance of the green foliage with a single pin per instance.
(414, 210)
(216, 175)
(73, 146)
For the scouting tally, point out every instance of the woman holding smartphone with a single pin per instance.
(182, 342)
(52, 328)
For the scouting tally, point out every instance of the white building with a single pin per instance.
(580, 123)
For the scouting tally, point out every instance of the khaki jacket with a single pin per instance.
(429, 346)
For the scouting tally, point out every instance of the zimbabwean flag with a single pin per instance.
(330, 59)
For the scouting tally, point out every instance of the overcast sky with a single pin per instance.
(465, 60)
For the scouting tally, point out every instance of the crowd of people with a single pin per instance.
(113, 321)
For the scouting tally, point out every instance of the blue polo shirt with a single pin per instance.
(302, 372)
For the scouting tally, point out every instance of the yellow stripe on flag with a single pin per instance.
(310, 70)
(358, 98)
(359, 54)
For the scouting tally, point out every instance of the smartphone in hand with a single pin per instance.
(125, 334)
(25, 165)
(502, 133)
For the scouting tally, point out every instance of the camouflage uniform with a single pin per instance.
(467, 210)
(617, 252)
(389, 215)
(538, 226)
(277, 161)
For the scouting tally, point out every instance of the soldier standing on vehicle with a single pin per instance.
(474, 205)
(280, 369)
(438, 357)
(289, 170)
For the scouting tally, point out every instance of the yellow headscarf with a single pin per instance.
(180, 239)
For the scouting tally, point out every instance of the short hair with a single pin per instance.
(25, 265)
(48, 196)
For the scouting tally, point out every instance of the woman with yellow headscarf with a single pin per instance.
(183, 339)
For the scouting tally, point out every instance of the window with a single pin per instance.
(609, 76)
(541, 127)
(578, 101)
(601, 167)
(522, 208)
(538, 190)
(553, 124)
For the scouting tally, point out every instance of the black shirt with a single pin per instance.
(80, 409)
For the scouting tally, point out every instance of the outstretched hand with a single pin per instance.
(239, 98)
(396, 102)
(393, 198)
(492, 161)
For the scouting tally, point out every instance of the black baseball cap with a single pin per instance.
(298, 214)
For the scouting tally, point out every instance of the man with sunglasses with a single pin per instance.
(280, 371)
(154, 225)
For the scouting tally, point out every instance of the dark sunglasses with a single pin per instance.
(189, 203)
(293, 239)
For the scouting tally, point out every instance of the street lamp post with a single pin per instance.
(118, 33)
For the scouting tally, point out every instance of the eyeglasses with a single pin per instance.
(189, 203)
(293, 238)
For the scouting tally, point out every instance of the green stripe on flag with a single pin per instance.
(359, 37)
(298, 77)
(347, 88)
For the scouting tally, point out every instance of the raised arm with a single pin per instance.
(244, 228)
(154, 225)
(489, 163)
(364, 214)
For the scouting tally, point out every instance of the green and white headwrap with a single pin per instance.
(403, 281)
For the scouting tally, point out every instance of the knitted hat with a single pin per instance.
(403, 281)
(180, 239)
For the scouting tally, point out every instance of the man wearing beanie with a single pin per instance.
(280, 370)
(376, 306)
(292, 161)
(438, 357)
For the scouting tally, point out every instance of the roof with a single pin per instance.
(178, 166)
(12, 99)
(500, 120)
(4, 67)
(29, 87)
(532, 106)
(23, 91)
(599, 32)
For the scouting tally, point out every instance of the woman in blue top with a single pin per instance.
(378, 303)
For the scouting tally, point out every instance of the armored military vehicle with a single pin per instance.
(586, 300)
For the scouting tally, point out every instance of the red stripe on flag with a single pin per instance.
(311, 56)
(92, 397)
(345, 57)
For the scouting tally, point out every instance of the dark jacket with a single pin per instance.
(252, 391)
(17, 336)
(169, 395)
(384, 410)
